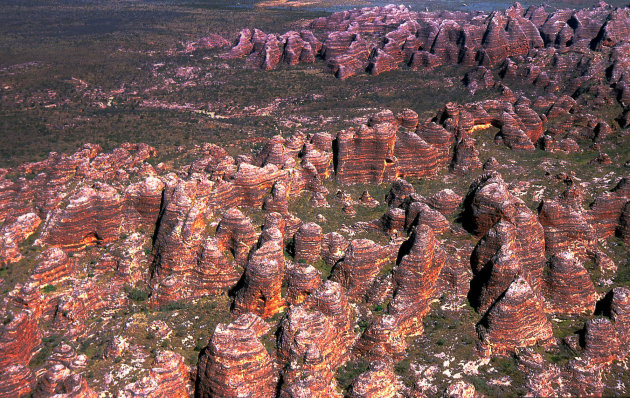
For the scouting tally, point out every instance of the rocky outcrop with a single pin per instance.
(16, 380)
(486, 202)
(366, 154)
(303, 279)
(566, 226)
(333, 248)
(379, 381)
(19, 337)
(14, 231)
(92, 216)
(59, 380)
(361, 264)
(516, 319)
(419, 265)
(235, 363)
(567, 287)
(53, 267)
(262, 282)
(308, 243)
(236, 235)
(607, 209)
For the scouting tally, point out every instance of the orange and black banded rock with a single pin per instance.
(93, 216)
(235, 363)
(366, 154)
(566, 227)
(407, 119)
(278, 200)
(445, 201)
(392, 221)
(367, 200)
(303, 279)
(19, 337)
(384, 340)
(142, 203)
(66, 355)
(53, 266)
(607, 209)
(61, 381)
(29, 297)
(419, 213)
(236, 234)
(441, 139)
(400, 191)
(567, 286)
(415, 276)
(14, 231)
(465, 157)
(331, 300)
(495, 277)
(16, 381)
(180, 232)
(213, 273)
(601, 343)
(170, 375)
(308, 243)
(517, 319)
(485, 202)
(379, 381)
(333, 248)
(362, 262)
(415, 157)
(309, 338)
(253, 183)
(261, 292)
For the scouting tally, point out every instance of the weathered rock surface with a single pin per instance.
(235, 363)
(517, 319)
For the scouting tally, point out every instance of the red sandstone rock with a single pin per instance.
(379, 381)
(261, 293)
(485, 202)
(445, 201)
(142, 203)
(333, 248)
(399, 192)
(53, 267)
(568, 287)
(365, 155)
(421, 259)
(13, 232)
(601, 341)
(516, 320)
(19, 336)
(566, 228)
(608, 207)
(308, 243)
(236, 363)
(303, 280)
(384, 340)
(361, 264)
(93, 216)
(309, 339)
(415, 157)
(466, 156)
(236, 234)
(367, 200)
(59, 380)
(419, 213)
(16, 381)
